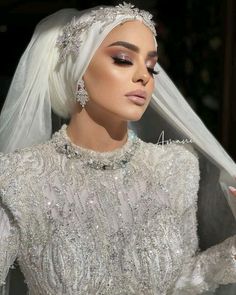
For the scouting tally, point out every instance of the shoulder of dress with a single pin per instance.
(182, 150)
(165, 152)
(18, 170)
(176, 167)
(21, 156)
(174, 161)
(15, 165)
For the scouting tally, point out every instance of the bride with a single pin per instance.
(95, 209)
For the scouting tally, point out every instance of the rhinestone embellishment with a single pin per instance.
(98, 160)
(72, 37)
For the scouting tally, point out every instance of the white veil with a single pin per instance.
(172, 106)
(39, 84)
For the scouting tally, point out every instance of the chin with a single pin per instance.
(133, 115)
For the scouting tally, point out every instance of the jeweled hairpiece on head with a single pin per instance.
(70, 40)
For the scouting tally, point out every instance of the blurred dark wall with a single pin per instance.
(228, 103)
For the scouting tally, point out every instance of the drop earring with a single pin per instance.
(81, 93)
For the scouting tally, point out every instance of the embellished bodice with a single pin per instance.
(86, 222)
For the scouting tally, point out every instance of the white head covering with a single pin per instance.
(47, 77)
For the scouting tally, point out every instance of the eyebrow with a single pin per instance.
(133, 48)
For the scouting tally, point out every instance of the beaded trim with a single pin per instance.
(112, 160)
(71, 39)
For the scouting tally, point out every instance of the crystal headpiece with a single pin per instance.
(70, 40)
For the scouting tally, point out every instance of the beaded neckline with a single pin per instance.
(111, 160)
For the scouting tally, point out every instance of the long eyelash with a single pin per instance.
(153, 72)
(121, 61)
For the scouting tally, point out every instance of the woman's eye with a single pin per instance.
(120, 61)
(152, 71)
(124, 61)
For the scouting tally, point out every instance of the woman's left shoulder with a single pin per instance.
(174, 153)
(176, 167)
(182, 152)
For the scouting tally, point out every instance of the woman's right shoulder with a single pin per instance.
(22, 161)
(20, 175)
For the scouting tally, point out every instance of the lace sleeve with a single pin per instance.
(9, 243)
(202, 271)
(206, 270)
(9, 231)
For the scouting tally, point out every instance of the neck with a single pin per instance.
(98, 135)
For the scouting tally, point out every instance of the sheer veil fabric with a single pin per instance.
(41, 84)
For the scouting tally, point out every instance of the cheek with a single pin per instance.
(106, 82)
(107, 77)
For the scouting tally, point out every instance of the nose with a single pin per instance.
(141, 75)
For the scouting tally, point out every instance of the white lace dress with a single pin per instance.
(120, 222)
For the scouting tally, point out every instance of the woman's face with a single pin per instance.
(119, 78)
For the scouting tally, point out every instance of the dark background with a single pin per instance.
(196, 47)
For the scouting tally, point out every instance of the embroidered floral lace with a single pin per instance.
(120, 222)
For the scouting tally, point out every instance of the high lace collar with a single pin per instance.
(111, 160)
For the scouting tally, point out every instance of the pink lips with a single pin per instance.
(137, 96)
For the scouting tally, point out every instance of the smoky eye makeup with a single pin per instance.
(122, 58)
(151, 66)
(152, 71)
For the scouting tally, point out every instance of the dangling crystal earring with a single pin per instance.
(81, 94)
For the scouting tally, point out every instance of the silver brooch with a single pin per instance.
(72, 36)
